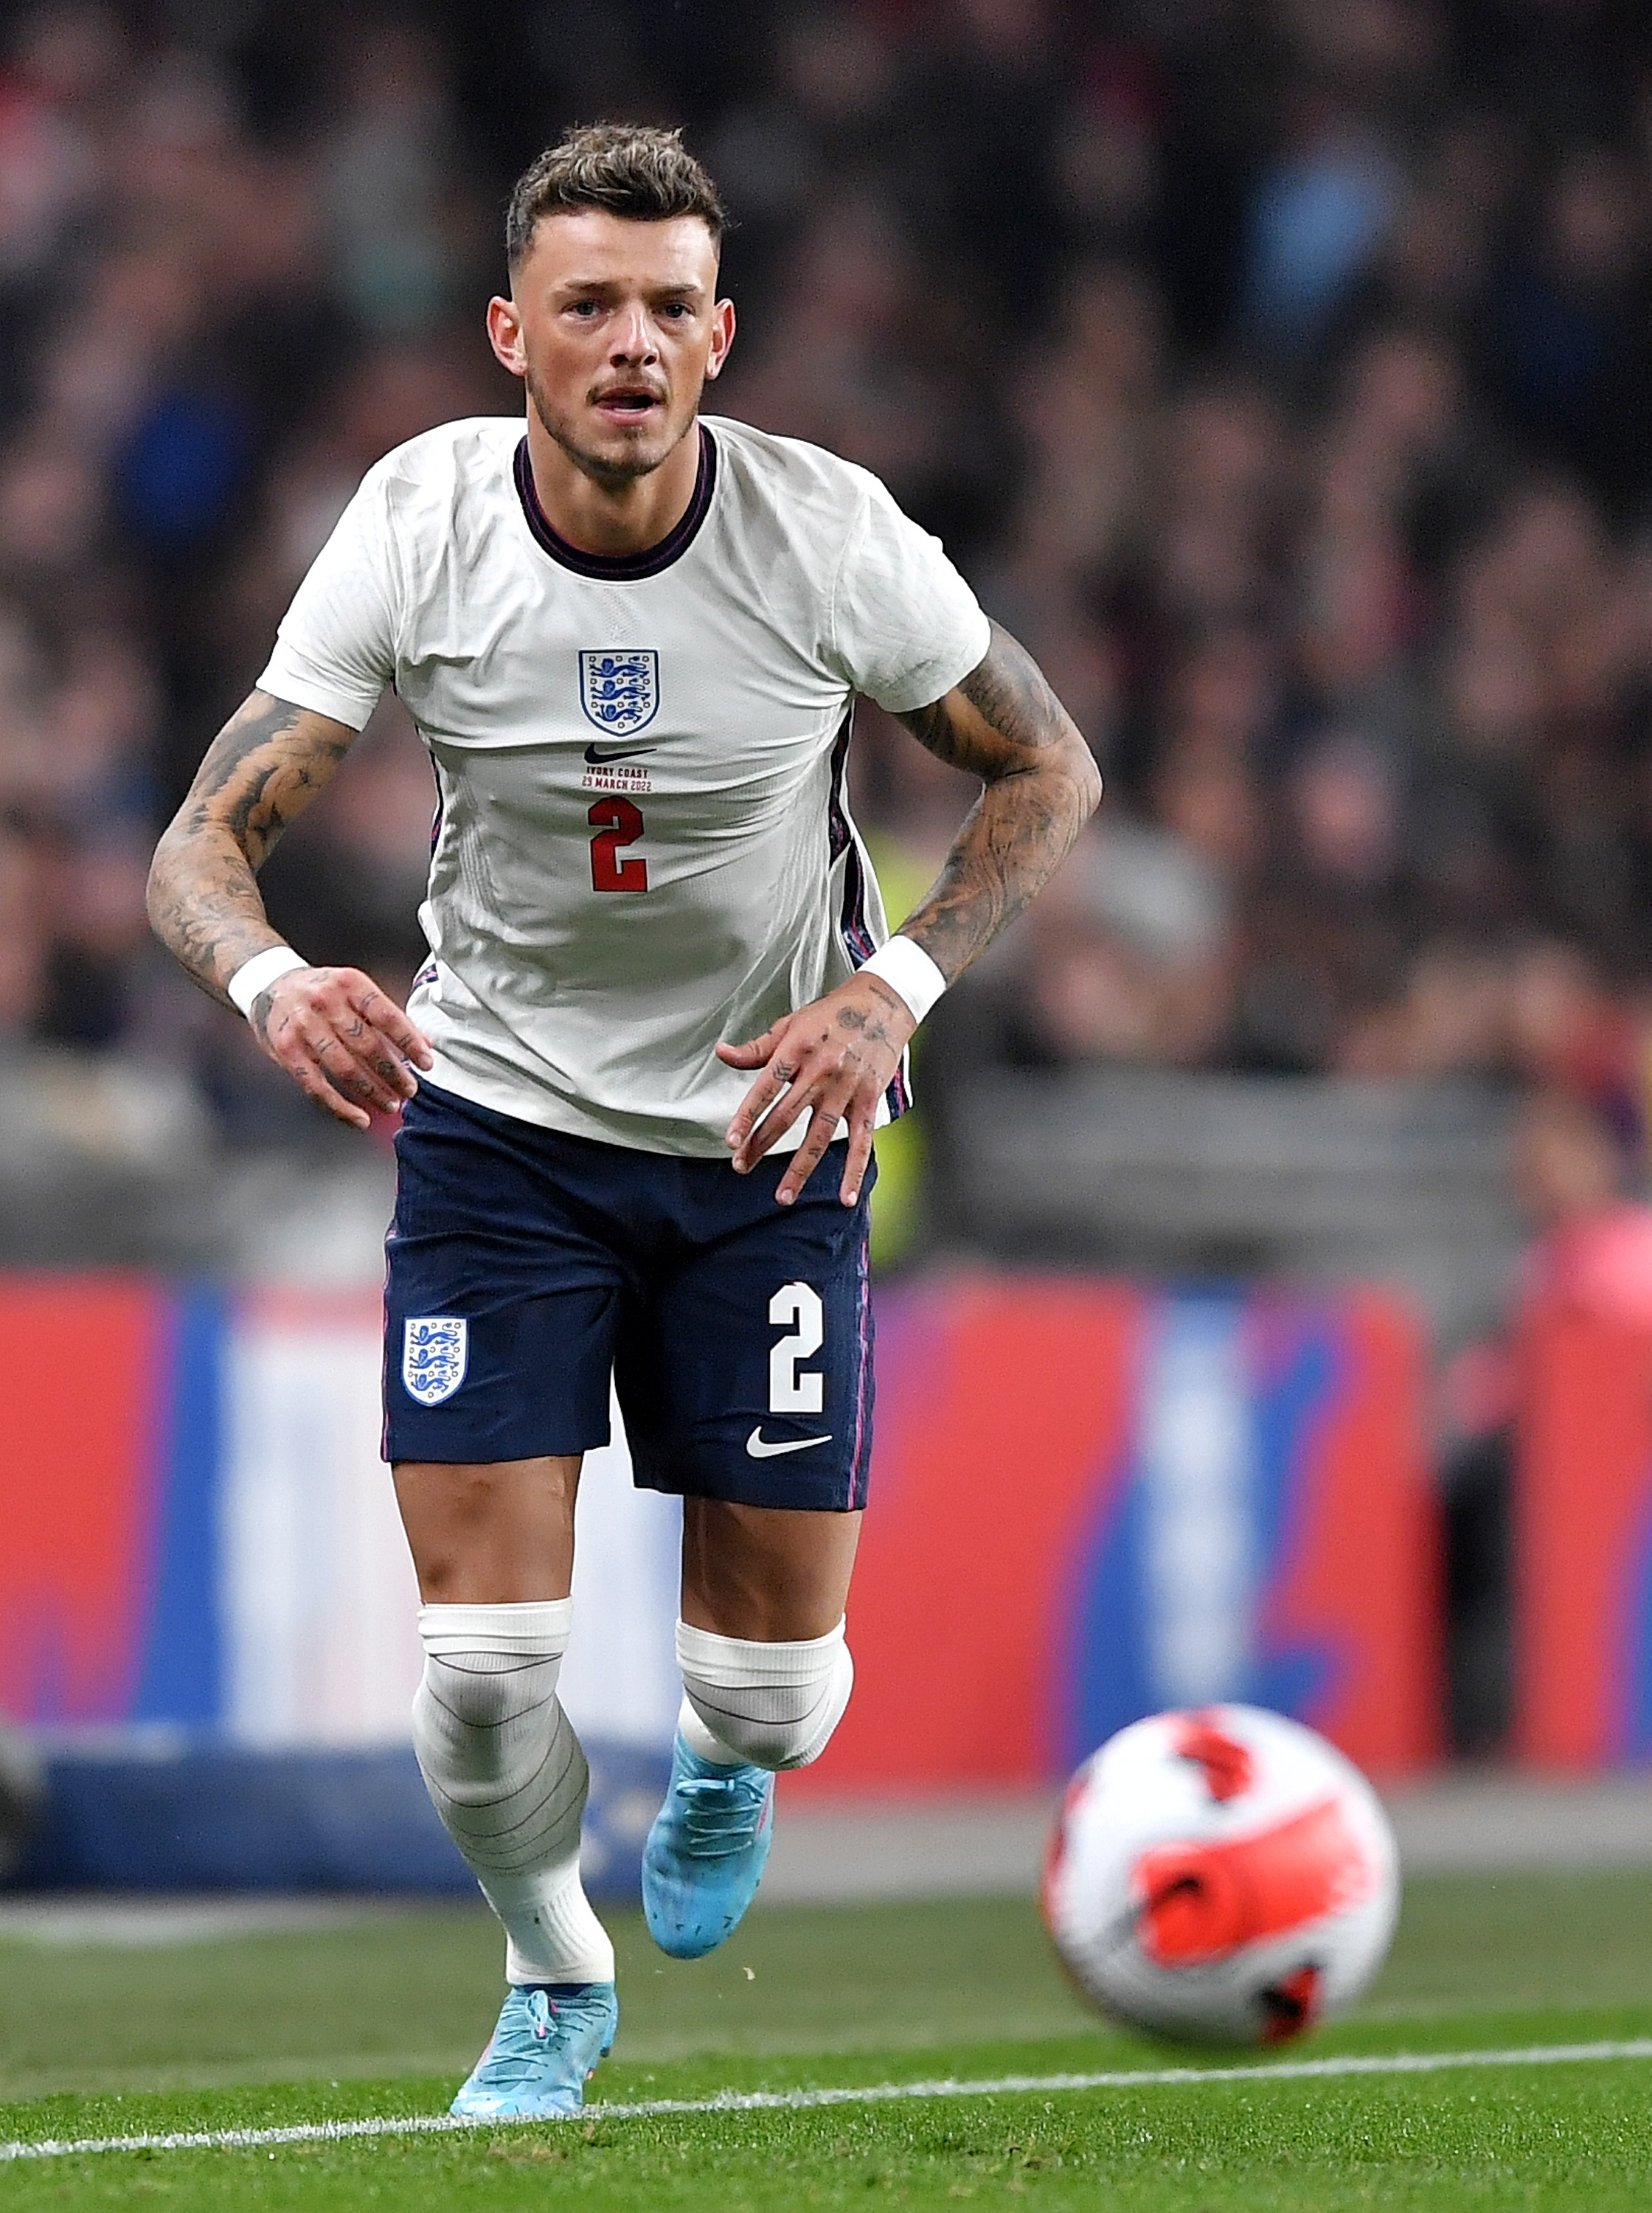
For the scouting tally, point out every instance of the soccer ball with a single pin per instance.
(1221, 1876)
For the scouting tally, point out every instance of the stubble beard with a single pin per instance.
(613, 473)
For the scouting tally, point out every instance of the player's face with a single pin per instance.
(614, 326)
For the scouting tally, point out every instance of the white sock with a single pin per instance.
(774, 1705)
(504, 1769)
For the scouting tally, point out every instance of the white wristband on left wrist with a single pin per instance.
(906, 968)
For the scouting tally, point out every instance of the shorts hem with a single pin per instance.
(489, 1451)
(738, 1490)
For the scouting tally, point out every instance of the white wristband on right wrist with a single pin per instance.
(254, 977)
(906, 968)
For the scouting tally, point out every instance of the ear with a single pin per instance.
(505, 335)
(722, 336)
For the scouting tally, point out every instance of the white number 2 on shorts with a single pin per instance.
(791, 1391)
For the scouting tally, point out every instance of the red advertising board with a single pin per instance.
(1046, 1447)
(1584, 1543)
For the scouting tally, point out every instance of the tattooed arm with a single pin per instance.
(335, 1033)
(1039, 786)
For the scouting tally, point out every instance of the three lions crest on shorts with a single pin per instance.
(435, 1349)
(620, 690)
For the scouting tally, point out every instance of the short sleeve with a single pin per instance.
(905, 627)
(336, 647)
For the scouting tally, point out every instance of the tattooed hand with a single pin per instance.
(342, 1039)
(833, 1061)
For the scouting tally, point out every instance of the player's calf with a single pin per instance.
(506, 1773)
(748, 1709)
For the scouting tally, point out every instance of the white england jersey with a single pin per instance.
(642, 844)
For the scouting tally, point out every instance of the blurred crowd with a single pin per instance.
(1276, 371)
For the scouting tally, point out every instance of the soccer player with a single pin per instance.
(639, 1075)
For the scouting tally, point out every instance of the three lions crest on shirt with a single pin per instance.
(620, 690)
(434, 1350)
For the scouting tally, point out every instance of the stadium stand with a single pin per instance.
(1274, 372)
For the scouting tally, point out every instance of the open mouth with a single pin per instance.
(627, 404)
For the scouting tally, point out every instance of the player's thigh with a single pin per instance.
(501, 1306)
(769, 1573)
(744, 1364)
(491, 1534)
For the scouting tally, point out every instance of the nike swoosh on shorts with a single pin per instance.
(758, 1446)
(600, 759)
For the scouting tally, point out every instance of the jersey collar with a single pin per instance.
(621, 568)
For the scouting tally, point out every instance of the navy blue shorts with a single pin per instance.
(526, 1266)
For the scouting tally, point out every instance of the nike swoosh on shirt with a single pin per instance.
(601, 758)
(759, 1447)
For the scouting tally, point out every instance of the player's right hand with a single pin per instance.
(343, 1040)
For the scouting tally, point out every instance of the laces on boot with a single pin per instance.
(722, 1813)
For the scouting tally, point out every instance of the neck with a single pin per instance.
(611, 519)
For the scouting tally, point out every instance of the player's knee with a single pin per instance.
(488, 1670)
(774, 1705)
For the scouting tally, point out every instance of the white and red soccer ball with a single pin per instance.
(1221, 1876)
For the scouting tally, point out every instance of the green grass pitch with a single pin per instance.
(379, 2019)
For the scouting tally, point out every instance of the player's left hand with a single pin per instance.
(832, 1060)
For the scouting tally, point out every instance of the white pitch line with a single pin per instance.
(877, 2093)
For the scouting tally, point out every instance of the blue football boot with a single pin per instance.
(548, 2040)
(706, 1853)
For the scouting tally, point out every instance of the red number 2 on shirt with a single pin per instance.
(617, 822)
